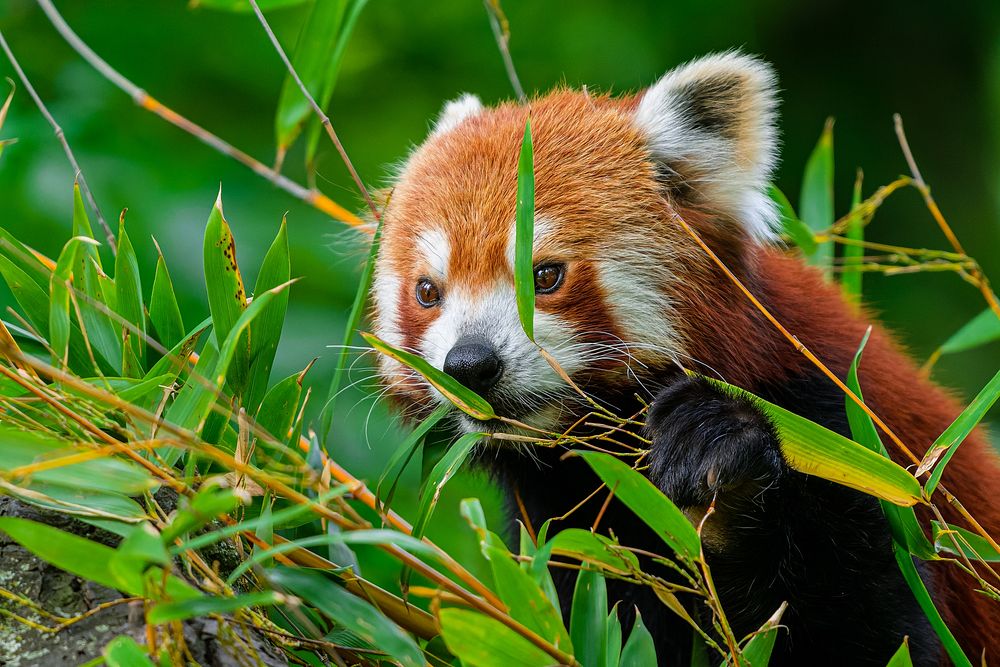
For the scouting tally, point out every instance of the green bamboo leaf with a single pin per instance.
(78, 502)
(445, 469)
(525, 600)
(851, 278)
(481, 641)
(266, 330)
(353, 322)
(206, 505)
(101, 329)
(971, 545)
(916, 584)
(164, 312)
(68, 465)
(757, 651)
(524, 271)
(614, 641)
(351, 15)
(60, 319)
(588, 620)
(123, 651)
(82, 557)
(32, 299)
(165, 612)
(138, 553)
(947, 443)
(404, 452)
(982, 329)
(128, 304)
(227, 297)
(903, 522)
(194, 401)
(816, 201)
(647, 502)
(353, 613)
(639, 649)
(242, 6)
(815, 450)
(797, 230)
(589, 548)
(901, 658)
(461, 396)
(279, 407)
(312, 62)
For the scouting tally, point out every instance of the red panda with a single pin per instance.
(624, 298)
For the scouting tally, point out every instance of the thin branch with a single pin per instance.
(501, 31)
(918, 181)
(314, 198)
(324, 119)
(61, 136)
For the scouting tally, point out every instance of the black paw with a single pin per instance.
(709, 445)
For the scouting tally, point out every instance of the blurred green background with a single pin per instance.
(859, 62)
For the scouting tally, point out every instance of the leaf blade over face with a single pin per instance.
(464, 398)
(524, 275)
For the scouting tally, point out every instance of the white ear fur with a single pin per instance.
(710, 123)
(455, 111)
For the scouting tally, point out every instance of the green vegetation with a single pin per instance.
(157, 416)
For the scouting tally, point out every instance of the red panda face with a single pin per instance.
(610, 262)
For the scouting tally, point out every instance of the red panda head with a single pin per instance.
(614, 271)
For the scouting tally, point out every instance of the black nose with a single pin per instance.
(474, 363)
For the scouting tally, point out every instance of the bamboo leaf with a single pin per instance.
(791, 225)
(128, 304)
(816, 201)
(351, 15)
(353, 613)
(757, 651)
(265, 332)
(647, 502)
(165, 612)
(524, 272)
(226, 295)
(37, 458)
(851, 278)
(279, 407)
(589, 548)
(639, 648)
(312, 62)
(971, 545)
(916, 584)
(461, 396)
(481, 641)
(947, 443)
(353, 322)
(903, 522)
(982, 329)
(101, 329)
(445, 469)
(901, 658)
(164, 312)
(588, 621)
(123, 651)
(32, 299)
(525, 600)
(60, 320)
(404, 452)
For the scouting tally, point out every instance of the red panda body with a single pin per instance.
(624, 299)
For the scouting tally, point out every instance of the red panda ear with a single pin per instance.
(455, 111)
(710, 127)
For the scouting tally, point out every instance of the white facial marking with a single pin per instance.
(455, 111)
(385, 293)
(435, 250)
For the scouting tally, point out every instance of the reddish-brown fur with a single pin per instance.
(595, 178)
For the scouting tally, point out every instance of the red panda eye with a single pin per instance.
(428, 295)
(549, 278)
